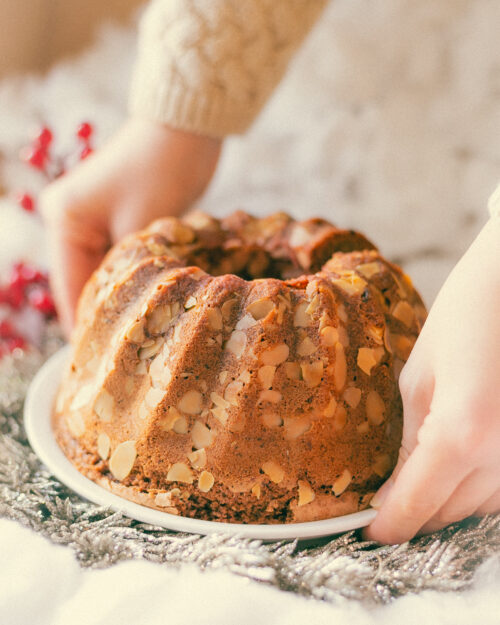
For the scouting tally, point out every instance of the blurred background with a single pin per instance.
(36, 33)
(387, 120)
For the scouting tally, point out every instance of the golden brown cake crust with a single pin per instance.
(240, 370)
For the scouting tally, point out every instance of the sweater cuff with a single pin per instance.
(211, 114)
(209, 66)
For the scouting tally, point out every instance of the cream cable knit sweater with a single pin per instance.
(208, 66)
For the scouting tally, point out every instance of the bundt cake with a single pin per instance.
(240, 370)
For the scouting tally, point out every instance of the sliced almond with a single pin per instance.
(198, 458)
(104, 405)
(382, 465)
(266, 375)
(331, 407)
(214, 316)
(181, 425)
(340, 417)
(404, 312)
(220, 414)
(350, 283)
(363, 427)
(157, 249)
(306, 347)
(122, 459)
(103, 445)
(247, 321)
(295, 427)
(153, 397)
(340, 367)
(312, 372)
(180, 472)
(245, 376)
(227, 308)
(329, 336)
(256, 490)
(342, 313)
(376, 333)
(369, 269)
(375, 408)
(191, 402)
(232, 391)
(342, 482)
(161, 376)
(205, 481)
(201, 435)
(177, 232)
(305, 492)
(159, 319)
(135, 332)
(237, 343)
(273, 471)
(273, 397)
(151, 349)
(368, 358)
(275, 355)
(76, 424)
(299, 236)
(83, 397)
(352, 396)
(402, 346)
(259, 309)
(165, 500)
(219, 401)
(301, 319)
(171, 417)
(271, 419)
(190, 302)
(343, 336)
(292, 370)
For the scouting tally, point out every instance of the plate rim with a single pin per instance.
(38, 425)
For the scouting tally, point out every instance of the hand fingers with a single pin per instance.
(416, 393)
(75, 248)
(425, 482)
(490, 506)
(465, 500)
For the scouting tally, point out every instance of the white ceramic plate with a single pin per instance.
(37, 420)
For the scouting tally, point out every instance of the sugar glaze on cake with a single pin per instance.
(240, 370)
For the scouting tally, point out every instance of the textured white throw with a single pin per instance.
(43, 584)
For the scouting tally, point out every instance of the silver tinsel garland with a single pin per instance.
(342, 568)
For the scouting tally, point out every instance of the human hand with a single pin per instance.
(449, 462)
(147, 170)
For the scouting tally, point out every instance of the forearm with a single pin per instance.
(209, 67)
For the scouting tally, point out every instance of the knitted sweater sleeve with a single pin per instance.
(208, 66)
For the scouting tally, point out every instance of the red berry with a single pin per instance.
(37, 157)
(87, 151)
(44, 137)
(15, 342)
(84, 131)
(41, 300)
(25, 274)
(6, 329)
(16, 296)
(26, 202)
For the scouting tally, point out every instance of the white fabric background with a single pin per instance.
(387, 121)
(43, 584)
